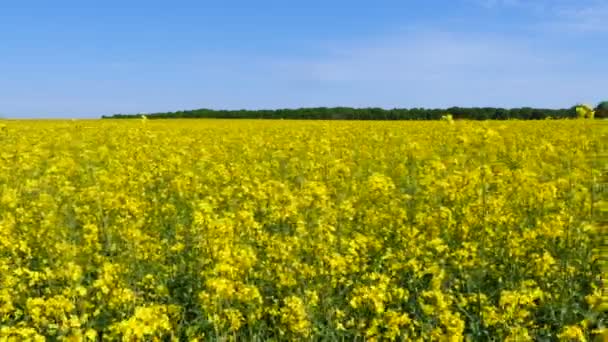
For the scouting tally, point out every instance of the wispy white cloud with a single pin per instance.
(582, 16)
(588, 17)
(434, 68)
(534, 6)
(509, 3)
(429, 56)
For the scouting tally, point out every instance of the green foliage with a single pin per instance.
(584, 111)
(448, 117)
(601, 111)
(347, 113)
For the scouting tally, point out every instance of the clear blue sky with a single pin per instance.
(87, 58)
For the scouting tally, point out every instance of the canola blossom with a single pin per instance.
(225, 230)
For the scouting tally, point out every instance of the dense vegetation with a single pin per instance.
(252, 230)
(601, 111)
(347, 113)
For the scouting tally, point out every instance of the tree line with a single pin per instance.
(347, 113)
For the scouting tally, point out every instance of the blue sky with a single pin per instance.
(87, 58)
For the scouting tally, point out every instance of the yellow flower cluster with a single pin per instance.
(299, 230)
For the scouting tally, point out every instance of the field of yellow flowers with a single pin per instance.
(299, 230)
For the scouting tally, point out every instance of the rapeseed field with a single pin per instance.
(248, 230)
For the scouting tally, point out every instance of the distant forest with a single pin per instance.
(346, 113)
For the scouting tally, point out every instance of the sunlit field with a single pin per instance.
(299, 230)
